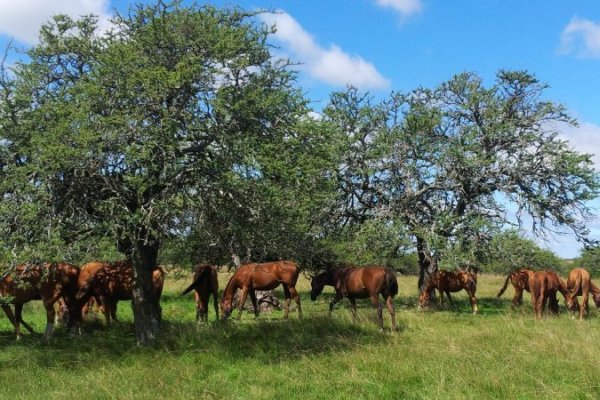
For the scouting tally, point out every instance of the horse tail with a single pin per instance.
(196, 282)
(503, 288)
(391, 283)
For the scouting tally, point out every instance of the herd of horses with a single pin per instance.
(100, 284)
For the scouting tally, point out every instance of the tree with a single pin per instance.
(590, 260)
(122, 134)
(449, 163)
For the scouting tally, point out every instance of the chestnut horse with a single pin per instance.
(265, 276)
(359, 283)
(543, 286)
(578, 284)
(205, 283)
(451, 281)
(111, 282)
(46, 282)
(520, 281)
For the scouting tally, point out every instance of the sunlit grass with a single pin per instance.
(439, 353)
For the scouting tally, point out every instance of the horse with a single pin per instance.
(520, 281)
(205, 283)
(111, 282)
(47, 282)
(578, 284)
(265, 276)
(359, 283)
(451, 281)
(543, 286)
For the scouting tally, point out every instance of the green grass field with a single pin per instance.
(439, 354)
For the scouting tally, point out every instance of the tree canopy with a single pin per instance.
(448, 163)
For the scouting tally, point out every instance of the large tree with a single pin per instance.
(123, 133)
(454, 164)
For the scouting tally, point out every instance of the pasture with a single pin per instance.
(448, 353)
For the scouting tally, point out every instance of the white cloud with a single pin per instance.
(582, 37)
(585, 139)
(404, 7)
(332, 65)
(22, 19)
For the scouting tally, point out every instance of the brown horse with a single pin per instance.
(359, 283)
(265, 276)
(578, 284)
(205, 283)
(520, 281)
(111, 282)
(451, 281)
(46, 282)
(543, 286)
(595, 291)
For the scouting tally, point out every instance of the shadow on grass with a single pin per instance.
(264, 341)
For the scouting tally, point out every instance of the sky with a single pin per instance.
(381, 46)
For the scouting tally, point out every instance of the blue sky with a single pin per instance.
(384, 45)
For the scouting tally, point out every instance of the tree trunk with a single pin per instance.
(427, 264)
(145, 303)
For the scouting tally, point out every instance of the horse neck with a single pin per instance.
(230, 289)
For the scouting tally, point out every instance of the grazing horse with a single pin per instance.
(205, 283)
(359, 283)
(111, 282)
(578, 284)
(543, 286)
(595, 291)
(451, 281)
(46, 282)
(520, 281)
(265, 276)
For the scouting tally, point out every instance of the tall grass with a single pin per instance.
(442, 353)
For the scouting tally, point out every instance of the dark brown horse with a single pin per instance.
(451, 281)
(543, 286)
(360, 283)
(265, 276)
(578, 284)
(111, 282)
(205, 283)
(46, 282)
(520, 281)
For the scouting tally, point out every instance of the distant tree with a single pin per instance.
(508, 250)
(445, 163)
(590, 260)
(123, 134)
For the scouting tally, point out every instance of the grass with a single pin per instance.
(445, 353)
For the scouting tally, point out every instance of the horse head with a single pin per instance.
(226, 306)
(317, 284)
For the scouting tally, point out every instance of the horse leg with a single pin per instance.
(518, 299)
(254, 302)
(473, 301)
(449, 298)
(334, 301)
(377, 305)
(390, 306)
(296, 298)
(11, 318)
(584, 306)
(113, 310)
(243, 296)
(288, 300)
(19, 319)
(50, 315)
